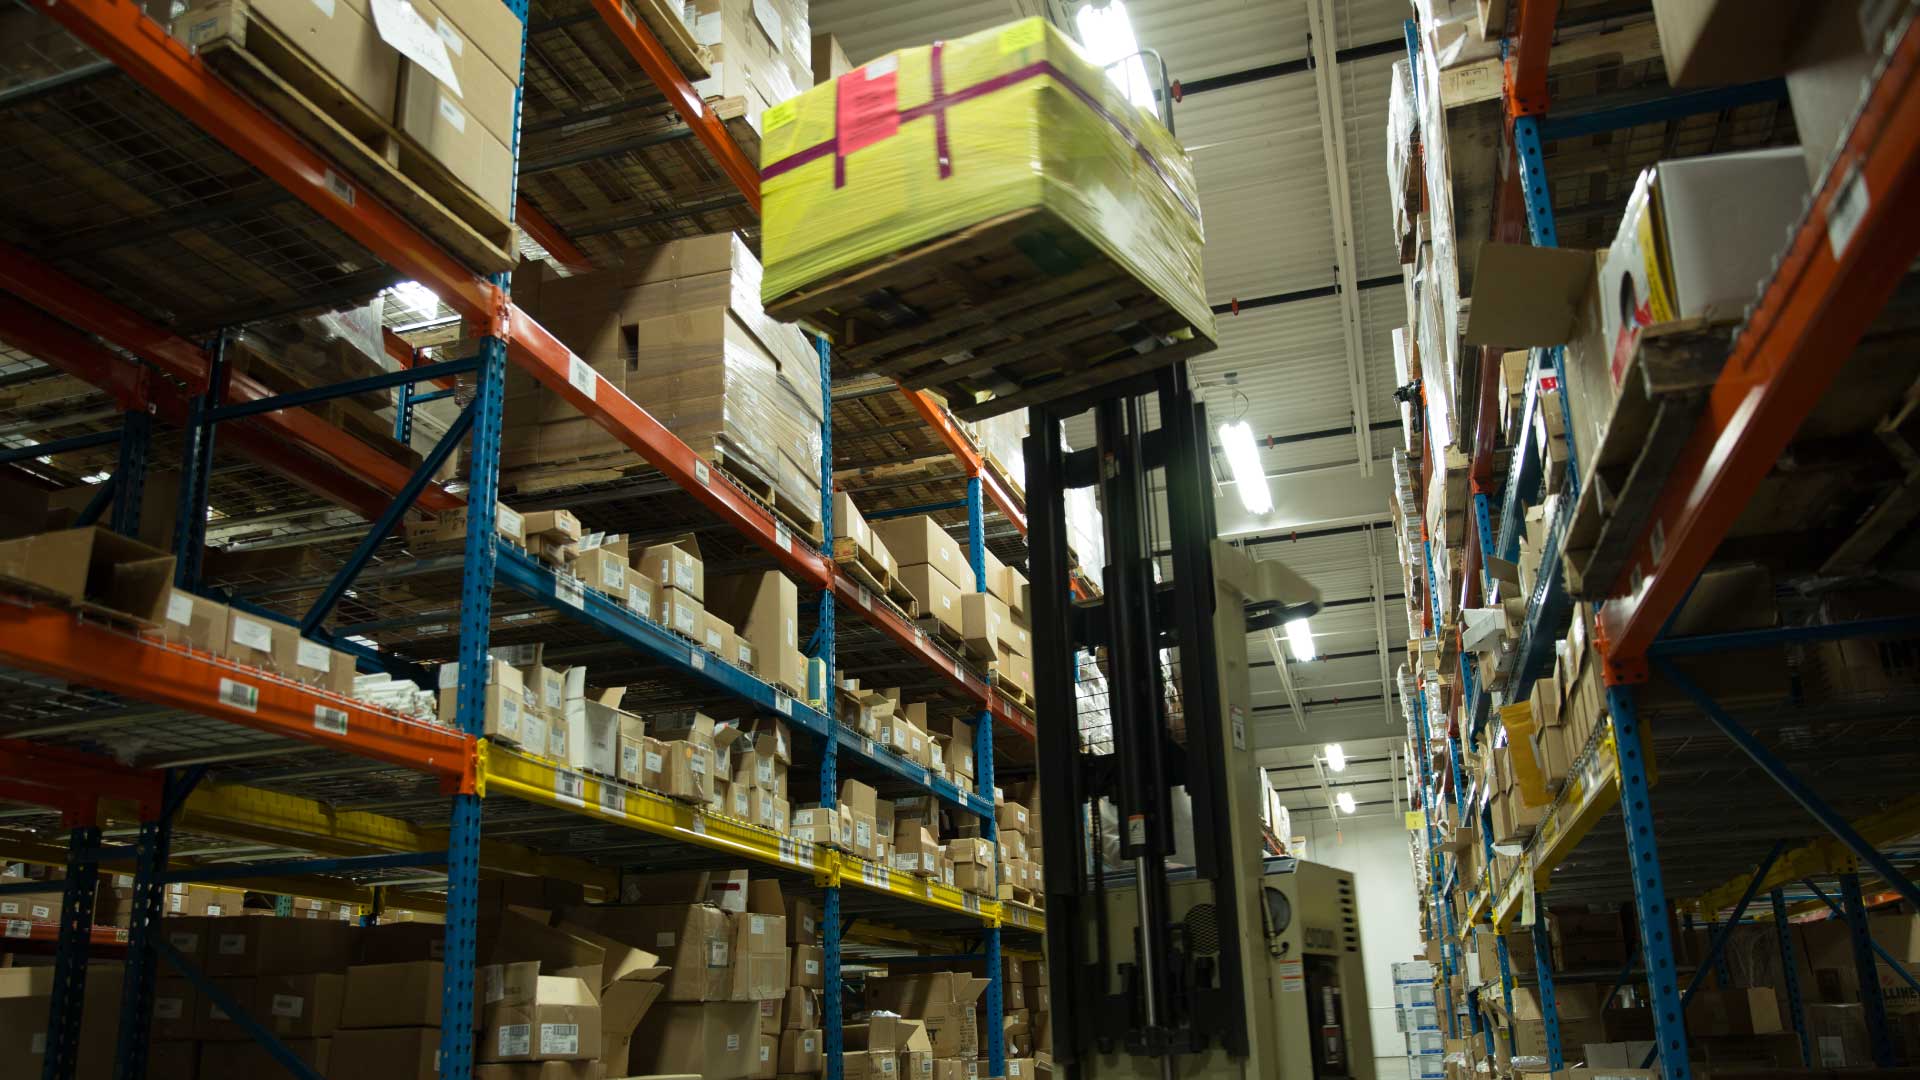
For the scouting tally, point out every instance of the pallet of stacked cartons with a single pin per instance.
(958, 270)
(420, 110)
(934, 568)
(679, 329)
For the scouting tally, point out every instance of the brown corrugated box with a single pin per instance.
(694, 941)
(718, 1039)
(392, 1053)
(387, 995)
(557, 1019)
(267, 946)
(95, 569)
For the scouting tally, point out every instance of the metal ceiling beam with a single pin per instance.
(1286, 680)
(1395, 47)
(1333, 146)
(1321, 292)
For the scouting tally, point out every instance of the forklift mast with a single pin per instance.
(1182, 991)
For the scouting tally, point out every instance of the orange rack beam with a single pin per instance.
(56, 642)
(1849, 254)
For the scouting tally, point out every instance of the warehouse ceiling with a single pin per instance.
(1291, 162)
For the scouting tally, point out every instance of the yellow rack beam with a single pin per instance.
(1817, 858)
(1593, 790)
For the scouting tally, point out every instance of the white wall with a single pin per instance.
(1374, 850)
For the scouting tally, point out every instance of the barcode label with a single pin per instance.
(569, 787)
(582, 377)
(339, 188)
(613, 800)
(19, 928)
(782, 537)
(239, 695)
(866, 598)
(698, 658)
(570, 590)
(329, 719)
(701, 473)
(783, 703)
(699, 825)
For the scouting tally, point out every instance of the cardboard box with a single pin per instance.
(944, 1001)
(631, 741)
(299, 1006)
(829, 63)
(679, 612)
(312, 663)
(800, 1051)
(809, 967)
(1698, 233)
(1712, 42)
(695, 941)
(196, 622)
(716, 634)
(819, 825)
(277, 946)
(399, 1053)
(540, 1070)
(938, 595)
(602, 569)
(250, 1059)
(705, 1039)
(988, 626)
(340, 39)
(922, 540)
(559, 1020)
(676, 565)
(1751, 1011)
(643, 595)
(384, 995)
(763, 609)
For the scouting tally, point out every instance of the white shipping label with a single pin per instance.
(516, 1040)
(41, 912)
(453, 114)
(613, 800)
(491, 980)
(168, 1008)
(698, 659)
(39, 1044)
(806, 1044)
(450, 676)
(559, 1040)
(184, 942)
(782, 538)
(402, 27)
(757, 925)
(653, 762)
(313, 656)
(629, 759)
(180, 608)
(733, 1041)
(763, 1052)
(701, 473)
(289, 1005)
(325, 6)
(216, 909)
(716, 954)
(232, 944)
(252, 633)
(9, 907)
(456, 44)
(569, 787)
(664, 939)
(812, 967)
(582, 377)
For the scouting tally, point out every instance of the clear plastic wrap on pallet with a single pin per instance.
(872, 163)
(1000, 438)
(1085, 536)
(1402, 128)
(1403, 370)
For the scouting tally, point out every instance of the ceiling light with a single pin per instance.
(1336, 757)
(1300, 641)
(1344, 801)
(1107, 34)
(1249, 476)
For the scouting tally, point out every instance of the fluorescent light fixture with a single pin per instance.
(1300, 641)
(1344, 801)
(1249, 476)
(1107, 34)
(1336, 757)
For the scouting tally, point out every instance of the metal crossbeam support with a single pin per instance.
(1790, 976)
(1649, 886)
(1854, 909)
(313, 395)
(1549, 1005)
(388, 519)
(294, 867)
(1784, 776)
(70, 956)
(102, 496)
(13, 455)
(1670, 106)
(1893, 963)
(130, 476)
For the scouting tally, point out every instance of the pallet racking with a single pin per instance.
(1717, 834)
(361, 794)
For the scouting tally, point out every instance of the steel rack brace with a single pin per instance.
(1549, 1005)
(1649, 888)
(1893, 962)
(70, 956)
(130, 474)
(241, 1015)
(832, 1017)
(143, 925)
(15, 454)
(1805, 796)
(1715, 959)
(1790, 977)
(1854, 910)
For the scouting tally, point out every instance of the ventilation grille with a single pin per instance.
(1349, 921)
(1203, 930)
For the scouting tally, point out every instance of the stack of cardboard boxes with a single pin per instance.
(1027, 1015)
(1017, 820)
(762, 51)
(446, 76)
(940, 1035)
(678, 328)
(991, 624)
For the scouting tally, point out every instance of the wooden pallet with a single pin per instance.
(1666, 383)
(862, 566)
(1013, 692)
(267, 67)
(1033, 311)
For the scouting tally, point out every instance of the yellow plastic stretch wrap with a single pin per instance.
(871, 164)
